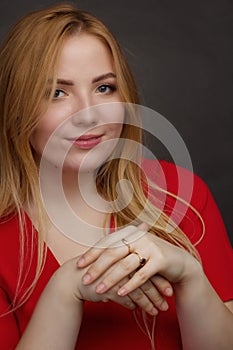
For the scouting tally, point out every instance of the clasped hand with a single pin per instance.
(136, 264)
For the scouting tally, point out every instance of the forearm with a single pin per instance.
(55, 322)
(205, 322)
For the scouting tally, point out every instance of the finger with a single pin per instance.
(89, 257)
(142, 300)
(154, 295)
(128, 303)
(162, 284)
(114, 239)
(138, 279)
(103, 263)
(121, 269)
(109, 256)
(125, 301)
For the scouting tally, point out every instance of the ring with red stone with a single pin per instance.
(142, 261)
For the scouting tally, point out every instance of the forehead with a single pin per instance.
(83, 52)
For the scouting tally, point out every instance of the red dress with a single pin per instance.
(109, 325)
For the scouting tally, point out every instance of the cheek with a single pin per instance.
(41, 135)
(115, 130)
(115, 118)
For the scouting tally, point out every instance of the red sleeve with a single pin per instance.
(9, 334)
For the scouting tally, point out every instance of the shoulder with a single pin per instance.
(209, 234)
(9, 252)
(10, 246)
(180, 194)
(9, 233)
(10, 228)
(177, 181)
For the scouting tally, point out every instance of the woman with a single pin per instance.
(55, 64)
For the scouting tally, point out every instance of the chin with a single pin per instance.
(89, 166)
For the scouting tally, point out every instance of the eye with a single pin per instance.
(106, 88)
(58, 94)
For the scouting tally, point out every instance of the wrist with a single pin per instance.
(65, 284)
(192, 277)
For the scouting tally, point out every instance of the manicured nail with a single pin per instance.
(81, 262)
(86, 278)
(154, 311)
(168, 291)
(122, 292)
(164, 306)
(100, 288)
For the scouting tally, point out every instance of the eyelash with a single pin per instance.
(111, 87)
(57, 90)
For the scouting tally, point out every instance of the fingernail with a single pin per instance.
(122, 292)
(81, 262)
(86, 278)
(100, 288)
(168, 291)
(164, 306)
(154, 311)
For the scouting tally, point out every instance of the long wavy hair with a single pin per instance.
(28, 60)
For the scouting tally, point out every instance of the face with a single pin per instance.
(83, 117)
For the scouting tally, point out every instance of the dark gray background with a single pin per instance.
(181, 53)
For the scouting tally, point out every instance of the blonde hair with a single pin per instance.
(28, 61)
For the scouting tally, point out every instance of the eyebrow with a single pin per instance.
(104, 76)
(95, 80)
(65, 82)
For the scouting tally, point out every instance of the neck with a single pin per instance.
(80, 188)
(71, 199)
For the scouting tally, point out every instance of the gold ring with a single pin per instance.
(125, 242)
(142, 261)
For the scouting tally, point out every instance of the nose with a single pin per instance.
(86, 117)
(86, 114)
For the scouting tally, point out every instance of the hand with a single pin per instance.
(111, 256)
(147, 297)
(152, 290)
(67, 281)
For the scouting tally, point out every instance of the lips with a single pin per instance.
(87, 141)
